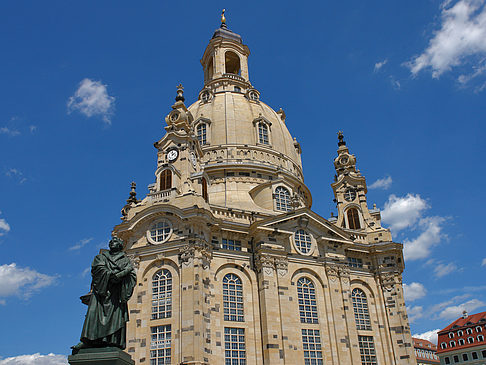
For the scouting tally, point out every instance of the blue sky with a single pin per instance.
(85, 87)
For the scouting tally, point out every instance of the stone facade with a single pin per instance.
(230, 255)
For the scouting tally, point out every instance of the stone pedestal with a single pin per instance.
(101, 356)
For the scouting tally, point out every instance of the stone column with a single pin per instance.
(273, 353)
(195, 258)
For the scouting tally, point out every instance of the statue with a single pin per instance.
(113, 281)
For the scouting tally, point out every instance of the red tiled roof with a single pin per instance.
(462, 322)
(423, 344)
(472, 321)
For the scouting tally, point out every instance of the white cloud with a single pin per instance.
(9, 132)
(442, 269)
(22, 281)
(455, 311)
(429, 335)
(16, 174)
(460, 39)
(431, 235)
(414, 313)
(79, 245)
(4, 226)
(35, 359)
(413, 291)
(379, 65)
(32, 128)
(403, 212)
(92, 99)
(384, 183)
(483, 263)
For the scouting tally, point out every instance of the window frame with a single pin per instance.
(167, 328)
(167, 180)
(297, 245)
(358, 217)
(233, 305)
(150, 229)
(281, 199)
(307, 301)
(360, 317)
(168, 290)
(262, 121)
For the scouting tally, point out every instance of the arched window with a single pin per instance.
(232, 63)
(162, 294)
(360, 308)
(302, 241)
(451, 334)
(282, 199)
(469, 331)
(480, 338)
(443, 345)
(306, 294)
(204, 189)
(478, 329)
(353, 218)
(166, 179)
(159, 232)
(461, 341)
(263, 133)
(470, 339)
(210, 70)
(201, 133)
(232, 298)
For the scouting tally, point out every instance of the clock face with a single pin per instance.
(350, 195)
(172, 155)
(193, 159)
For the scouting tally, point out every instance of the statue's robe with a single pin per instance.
(105, 323)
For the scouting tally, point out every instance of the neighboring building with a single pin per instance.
(425, 351)
(462, 342)
(233, 265)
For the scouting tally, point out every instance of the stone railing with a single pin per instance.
(164, 195)
(234, 77)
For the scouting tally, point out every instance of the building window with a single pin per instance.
(160, 345)
(456, 358)
(166, 180)
(470, 339)
(311, 341)
(460, 342)
(232, 63)
(263, 133)
(483, 352)
(443, 345)
(465, 357)
(460, 333)
(231, 245)
(205, 96)
(306, 294)
(447, 360)
(367, 350)
(302, 241)
(159, 232)
(201, 132)
(162, 295)
(469, 331)
(474, 355)
(451, 334)
(361, 312)
(282, 199)
(479, 329)
(204, 184)
(452, 344)
(353, 218)
(234, 346)
(480, 338)
(232, 298)
(355, 262)
(237, 89)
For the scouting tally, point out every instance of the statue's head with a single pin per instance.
(116, 244)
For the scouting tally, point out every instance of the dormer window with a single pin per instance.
(282, 199)
(237, 89)
(263, 133)
(201, 132)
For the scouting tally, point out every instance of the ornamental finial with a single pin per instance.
(180, 93)
(341, 139)
(223, 19)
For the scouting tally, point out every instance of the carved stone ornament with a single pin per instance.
(281, 264)
(389, 279)
(265, 263)
(188, 252)
(332, 272)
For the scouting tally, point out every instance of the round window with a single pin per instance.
(302, 241)
(159, 232)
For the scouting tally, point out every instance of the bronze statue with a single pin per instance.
(113, 281)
